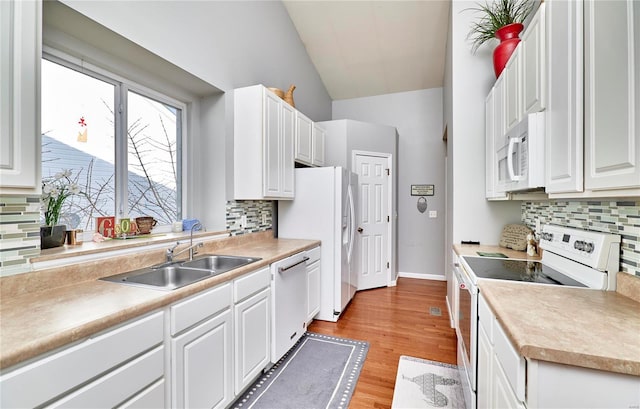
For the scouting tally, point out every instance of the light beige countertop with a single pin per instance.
(59, 307)
(574, 326)
(473, 249)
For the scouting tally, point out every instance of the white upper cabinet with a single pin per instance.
(491, 176)
(309, 142)
(317, 153)
(612, 94)
(304, 128)
(564, 113)
(513, 106)
(21, 50)
(532, 62)
(264, 128)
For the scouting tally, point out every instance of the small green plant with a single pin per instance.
(55, 191)
(496, 14)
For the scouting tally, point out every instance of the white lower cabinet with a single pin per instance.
(252, 319)
(485, 370)
(508, 380)
(313, 283)
(115, 368)
(201, 364)
(201, 354)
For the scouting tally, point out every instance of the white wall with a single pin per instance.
(228, 44)
(468, 79)
(417, 115)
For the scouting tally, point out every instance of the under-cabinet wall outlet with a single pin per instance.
(264, 218)
(243, 221)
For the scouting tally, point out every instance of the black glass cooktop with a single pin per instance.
(517, 270)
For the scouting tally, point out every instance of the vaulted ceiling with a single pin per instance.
(365, 48)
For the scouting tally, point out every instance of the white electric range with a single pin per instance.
(570, 257)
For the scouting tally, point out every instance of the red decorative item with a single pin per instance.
(508, 36)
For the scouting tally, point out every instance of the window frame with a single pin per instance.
(122, 86)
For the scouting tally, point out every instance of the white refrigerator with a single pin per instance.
(324, 209)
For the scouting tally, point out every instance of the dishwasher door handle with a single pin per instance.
(283, 269)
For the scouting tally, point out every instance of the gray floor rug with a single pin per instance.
(320, 371)
(427, 384)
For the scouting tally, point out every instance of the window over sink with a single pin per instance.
(122, 143)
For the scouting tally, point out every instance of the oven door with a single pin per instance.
(467, 325)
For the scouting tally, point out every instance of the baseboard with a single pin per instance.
(436, 277)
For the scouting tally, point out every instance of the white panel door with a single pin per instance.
(564, 134)
(374, 217)
(287, 153)
(303, 138)
(201, 365)
(612, 94)
(272, 183)
(252, 338)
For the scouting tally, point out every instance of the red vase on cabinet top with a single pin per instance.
(508, 36)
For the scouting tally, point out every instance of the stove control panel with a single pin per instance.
(584, 246)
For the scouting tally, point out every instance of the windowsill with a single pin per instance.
(90, 248)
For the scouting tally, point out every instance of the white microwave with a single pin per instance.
(521, 157)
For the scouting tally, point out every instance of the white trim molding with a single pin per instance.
(436, 277)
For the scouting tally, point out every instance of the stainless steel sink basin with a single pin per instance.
(164, 278)
(179, 274)
(219, 263)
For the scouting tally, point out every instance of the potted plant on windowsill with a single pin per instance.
(500, 19)
(55, 191)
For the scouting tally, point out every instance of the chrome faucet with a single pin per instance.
(192, 247)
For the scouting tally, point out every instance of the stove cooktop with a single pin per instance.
(517, 270)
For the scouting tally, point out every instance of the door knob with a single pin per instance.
(360, 230)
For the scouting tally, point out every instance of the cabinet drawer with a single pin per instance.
(513, 364)
(119, 385)
(486, 317)
(313, 254)
(152, 397)
(250, 284)
(62, 371)
(195, 309)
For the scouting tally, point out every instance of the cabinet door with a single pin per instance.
(201, 365)
(252, 326)
(318, 146)
(303, 139)
(313, 290)
(287, 142)
(533, 64)
(564, 117)
(485, 370)
(499, 120)
(502, 394)
(491, 163)
(272, 147)
(612, 94)
(20, 48)
(512, 93)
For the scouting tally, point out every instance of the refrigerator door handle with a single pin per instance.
(352, 226)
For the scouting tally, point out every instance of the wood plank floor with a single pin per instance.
(395, 321)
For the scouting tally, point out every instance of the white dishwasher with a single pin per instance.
(288, 302)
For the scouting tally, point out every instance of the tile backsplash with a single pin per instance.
(19, 232)
(259, 216)
(617, 217)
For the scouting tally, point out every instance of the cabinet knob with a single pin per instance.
(360, 230)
